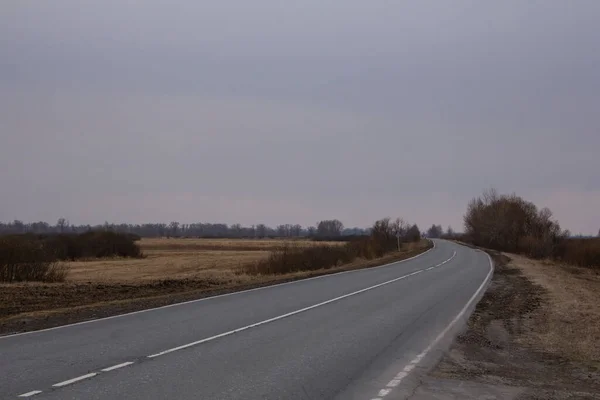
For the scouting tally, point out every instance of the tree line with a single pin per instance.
(325, 228)
(510, 223)
(385, 236)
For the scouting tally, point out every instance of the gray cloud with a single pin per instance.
(276, 112)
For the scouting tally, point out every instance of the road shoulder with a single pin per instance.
(533, 335)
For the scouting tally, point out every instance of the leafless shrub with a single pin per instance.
(384, 238)
(26, 259)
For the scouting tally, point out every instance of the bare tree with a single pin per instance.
(174, 228)
(399, 229)
(332, 227)
(435, 231)
(62, 224)
(236, 230)
(414, 233)
(282, 230)
(261, 230)
(296, 230)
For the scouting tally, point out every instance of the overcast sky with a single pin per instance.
(294, 111)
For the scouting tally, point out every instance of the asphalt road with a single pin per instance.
(356, 335)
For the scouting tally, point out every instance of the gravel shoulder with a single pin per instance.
(533, 335)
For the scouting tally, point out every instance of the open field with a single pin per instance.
(173, 270)
(210, 259)
(164, 244)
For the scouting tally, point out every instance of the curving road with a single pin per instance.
(364, 334)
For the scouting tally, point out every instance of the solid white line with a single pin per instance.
(79, 378)
(32, 393)
(117, 366)
(462, 312)
(266, 321)
(218, 296)
(458, 316)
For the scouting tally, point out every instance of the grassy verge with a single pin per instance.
(30, 306)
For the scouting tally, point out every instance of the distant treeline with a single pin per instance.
(329, 228)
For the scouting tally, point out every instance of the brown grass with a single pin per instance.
(570, 324)
(182, 259)
(193, 264)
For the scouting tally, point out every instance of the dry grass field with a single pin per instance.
(214, 259)
(172, 270)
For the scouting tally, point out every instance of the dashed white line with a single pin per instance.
(394, 383)
(447, 261)
(125, 364)
(398, 378)
(266, 321)
(32, 393)
(79, 378)
(442, 263)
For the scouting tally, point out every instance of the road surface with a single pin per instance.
(363, 334)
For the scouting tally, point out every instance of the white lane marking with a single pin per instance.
(266, 321)
(393, 383)
(462, 312)
(117, 366)
(447, 261)
(442, 263)
(384, 392)
(218, 296)
(401, 376)
(408, 368)
(79, 378)
(32, 393)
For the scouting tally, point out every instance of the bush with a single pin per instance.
(580, 252)
(93, 245)
(288, 259)
(24, 258)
